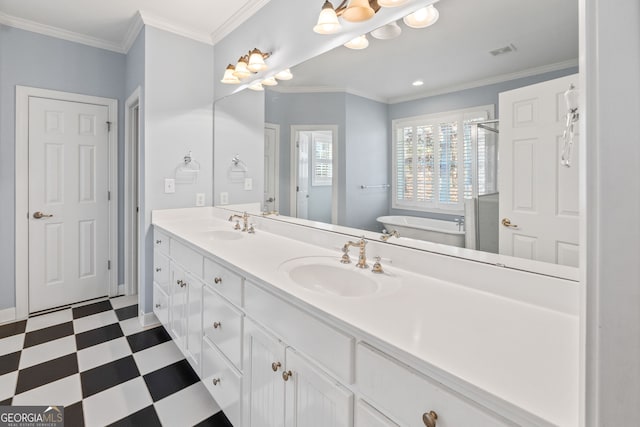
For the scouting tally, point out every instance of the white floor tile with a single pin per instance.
(194, 402)
(94, 321)
(116, 403)
(93, 301)
(8, 385)
(125, 301)
(50, 350)
(11, 344)
(62, 392)
(100, 354)
(131, 326)
(156, 357)
(46, 320)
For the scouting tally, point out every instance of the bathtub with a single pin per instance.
(433, 230)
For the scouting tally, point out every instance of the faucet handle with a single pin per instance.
(252, 229)
(377, 267)
(237, 226)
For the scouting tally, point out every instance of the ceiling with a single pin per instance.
(107, 23)
(453, 54)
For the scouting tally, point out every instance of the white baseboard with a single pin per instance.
(7, 315)
(148, 319)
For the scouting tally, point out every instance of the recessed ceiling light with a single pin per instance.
(418, 83)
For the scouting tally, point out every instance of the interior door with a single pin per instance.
(270, 168)
(68, 202)
(538, 205)
(302, 184)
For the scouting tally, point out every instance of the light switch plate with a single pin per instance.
(199, 199)
(169, 185)
(248, 184)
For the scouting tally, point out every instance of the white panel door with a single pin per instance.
(538, 196)
(270, 169)
(313, 398)
(302, 185)
(68, 205)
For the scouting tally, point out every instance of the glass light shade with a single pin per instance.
(359, 42)
(256, 61)
(391, 3)
(328, 20)
(358, 11)
(228, 77)
(422, 18)
(284, 75)
(387, 32)
(269, 81)
(242, 72)
(257, 86)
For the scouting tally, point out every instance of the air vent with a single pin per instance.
(502, 50)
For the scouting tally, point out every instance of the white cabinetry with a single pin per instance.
(178, 304)
(193, 342)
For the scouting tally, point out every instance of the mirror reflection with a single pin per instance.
(452, 134)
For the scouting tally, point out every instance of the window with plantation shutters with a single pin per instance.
(322, 158)
(433, 159)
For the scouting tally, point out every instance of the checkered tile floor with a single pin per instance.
(98, 362)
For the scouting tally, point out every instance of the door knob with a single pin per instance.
(507, 223)
(38, 215)
(429, 419)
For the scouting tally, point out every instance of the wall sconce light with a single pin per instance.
(284, 75)
(256, 60)
(252, 62)
(358, 43)
(257, 86)
(228, 77)
(422, 18)
(269, 81)
(242, 70)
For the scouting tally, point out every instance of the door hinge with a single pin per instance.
(109, 265)
(108, 126)
(137, 209)
(297, 188)
(109, 195)
(297, 144)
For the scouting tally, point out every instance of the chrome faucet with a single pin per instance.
(386, 235)
(362, 257)
(245, 219)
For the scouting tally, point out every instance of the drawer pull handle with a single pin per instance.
(217, 280)
(158, 306)
(181, 283)
(286, 375)
(429, 418)
(217, 325)
(275, 366)
(158, 269)
(158, 242)
(216, 381)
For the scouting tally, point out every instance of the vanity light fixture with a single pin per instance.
(387, 32)
(284, 75)
(228, 77)
(422, 18)
(328, 20)
(256, 60)
(358, 11)
(269, 81)
(257, 86)
(241, 71)
(358, 43)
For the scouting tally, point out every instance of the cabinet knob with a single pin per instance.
(286, 375)
(275, 366)
(217, 280)
(158, 269)
(216, 381)
(158, 242)
(181, 283)
(217, 325)
(158, 306)
(429, 418)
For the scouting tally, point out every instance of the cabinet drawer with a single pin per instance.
(161, 242)
(224, 281)
(328, 346)
(366, 416)
(222, 381)
(161, 270)
(222, 324)
(407, 394)
(186, 257)
(160, 304)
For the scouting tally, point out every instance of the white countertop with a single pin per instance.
(523, 353)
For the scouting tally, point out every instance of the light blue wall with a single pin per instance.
(31, 59)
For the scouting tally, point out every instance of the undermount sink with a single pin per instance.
(223, 235)
(326, 275)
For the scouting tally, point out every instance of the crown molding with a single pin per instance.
(246, 11)
(134, 29)
(489, 81)
(161, 24)
(59, 33)
(326, 89)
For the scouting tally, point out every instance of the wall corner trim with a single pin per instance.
(8, 315)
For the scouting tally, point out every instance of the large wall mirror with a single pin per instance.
(451, 134)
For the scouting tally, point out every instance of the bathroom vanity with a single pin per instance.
(283, 334)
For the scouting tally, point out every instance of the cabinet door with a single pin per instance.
(161, 305)
(264, 361)
(193, 344)
(178, 296)
(313, 398)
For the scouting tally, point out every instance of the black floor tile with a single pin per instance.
(216, 420)
(51, 333)
(47, 372)
(170, 379)
(98, 336)
(146, 417)
(125, 313)
(106, 376)
(6, 402)
(9, 362)
(14, 328)
(74, 415)
(148, 338)
(88, 310)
